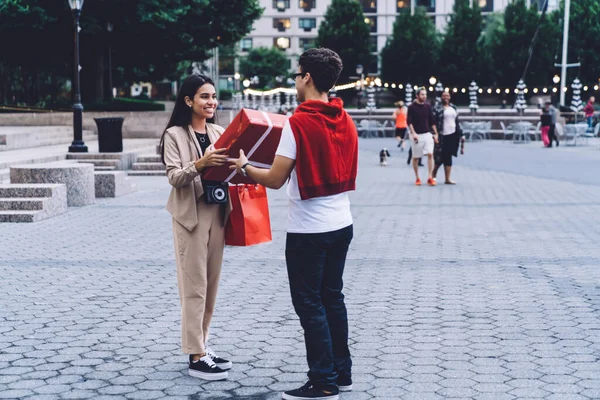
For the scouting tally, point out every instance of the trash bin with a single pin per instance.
(110, 134)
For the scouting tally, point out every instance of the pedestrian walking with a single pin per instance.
(400, 118)
(318, 153)
(552, 136)
(545, 122)
(450, 137)
(589, 113)
(421, 123)
(198, 222)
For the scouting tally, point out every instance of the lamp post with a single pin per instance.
(77, 146)
(359, 72)
(109, 29)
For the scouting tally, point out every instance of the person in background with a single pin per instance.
(589, 113)
(400, 118)
(450, 137)
(422, 123)
(552, 131)
(546, 121)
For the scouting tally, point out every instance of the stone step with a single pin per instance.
(148, 166)
(149, 159)
(25, 190)
(147, 173)
(22, 137)
(31, 202)
(99, 162)
(21, 216)
(94, 156)
(23, 203)
(112, 184)
(105, 168)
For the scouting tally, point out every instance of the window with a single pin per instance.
(428, 4)
(372, 22)
(403, 5)
(246, 44)
(281, 24)
(307, 24)
(281, 5)
(369, 6)
(486, 5)
(307, 5)
(542, 4)
(306, 43)
(282, 43)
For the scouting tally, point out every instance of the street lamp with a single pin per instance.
(432, 81)
(77, 146)
(237, 77)
(359, 71)
(246, 83)
(109, 29)
(556, 79)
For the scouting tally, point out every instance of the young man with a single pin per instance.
(421, 122)
(318, 152)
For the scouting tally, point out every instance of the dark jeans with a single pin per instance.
(315, 264)
(552, 135)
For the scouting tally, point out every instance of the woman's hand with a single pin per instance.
(212, 158)
(238, 163)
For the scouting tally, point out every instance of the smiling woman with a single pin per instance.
(198, 218)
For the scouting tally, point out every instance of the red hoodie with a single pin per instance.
(326, 148)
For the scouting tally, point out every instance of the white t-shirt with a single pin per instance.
(316, 215)
(449, 121)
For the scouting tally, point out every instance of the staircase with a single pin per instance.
(103, 161)
(148, 165)
(31, 202)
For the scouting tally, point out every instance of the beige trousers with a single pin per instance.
(199, 255)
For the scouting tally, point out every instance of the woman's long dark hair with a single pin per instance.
(182, 113)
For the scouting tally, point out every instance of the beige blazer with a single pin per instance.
(181, 150)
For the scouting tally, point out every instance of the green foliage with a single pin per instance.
(460, 57)
(411, 53)
(266, 63)
(344, 30)
(150, 39)
(584, 31)
(509, 49)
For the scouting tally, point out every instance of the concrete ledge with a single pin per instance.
(78, 178)
(112, 184)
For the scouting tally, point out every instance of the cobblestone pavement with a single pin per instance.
(486, 290)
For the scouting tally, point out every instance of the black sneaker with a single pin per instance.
(344, 383)
(309, 392)
(221, 362)
(205, 368)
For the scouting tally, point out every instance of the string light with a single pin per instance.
(535, 90)
(498, 91)
(455, 90)
(554, 90)
(545, 90)
(526, 90)
(431, 88)
(596, 87)
(463, 90)
(585, 88)
(507, 91)
(386, 85)
(489, 91)
(393, 86)
(480, 90)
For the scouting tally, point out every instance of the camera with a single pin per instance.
(216, 192)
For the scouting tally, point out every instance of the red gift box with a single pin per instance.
(255, 132)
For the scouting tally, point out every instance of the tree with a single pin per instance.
(411, 53)
(150, 37)
(266, 63)
(460, 59)
(584, 30)
(510, 50)
(344, 30)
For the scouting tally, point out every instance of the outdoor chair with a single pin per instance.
(538, 131)
(506, 131)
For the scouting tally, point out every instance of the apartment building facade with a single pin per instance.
(292, 25)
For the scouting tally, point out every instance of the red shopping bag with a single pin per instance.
(249, 221)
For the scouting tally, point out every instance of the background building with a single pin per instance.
(292, 25)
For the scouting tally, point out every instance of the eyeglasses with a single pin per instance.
(299, 74)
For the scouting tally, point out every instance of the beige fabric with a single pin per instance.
(199, 255)
(181, 150)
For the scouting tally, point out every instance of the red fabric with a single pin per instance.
(248, 222)
(326, 148)
(242, 133)
(545, 138)
(589, 110)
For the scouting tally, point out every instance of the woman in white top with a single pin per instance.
(449, 139)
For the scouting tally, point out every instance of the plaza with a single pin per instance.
(485, 290)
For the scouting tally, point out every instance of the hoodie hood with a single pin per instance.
(332, 110)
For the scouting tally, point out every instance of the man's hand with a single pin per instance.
(212, 158)
(238, 163)
(436, 139)
(416, 138)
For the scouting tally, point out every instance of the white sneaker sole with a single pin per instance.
(289, 397)
(347, 388)
(225, 366)
(209, 376)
